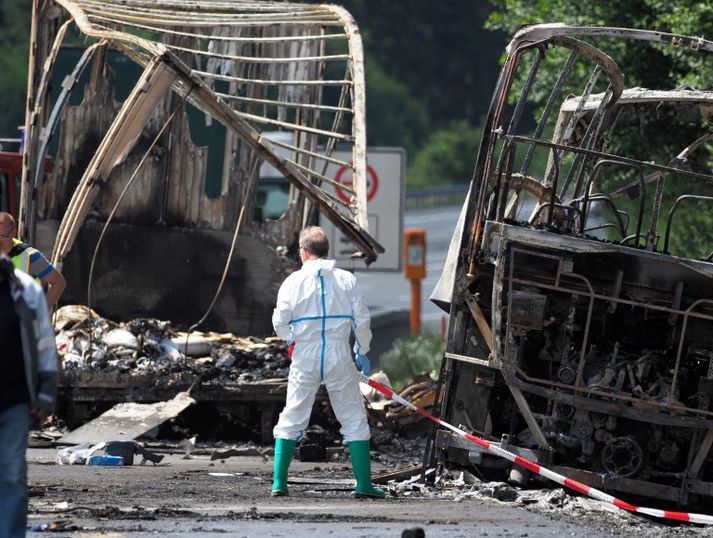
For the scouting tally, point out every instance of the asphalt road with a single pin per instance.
(387, 290)
(198, 497)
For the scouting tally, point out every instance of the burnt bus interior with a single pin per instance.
(580, 294)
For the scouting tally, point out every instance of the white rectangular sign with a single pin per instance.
(385, 207)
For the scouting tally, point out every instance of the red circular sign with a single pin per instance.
(344, 177)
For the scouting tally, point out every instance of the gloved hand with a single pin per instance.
(290, 350)
(363, 363)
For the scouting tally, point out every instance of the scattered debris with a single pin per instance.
(224, 454)
(47, 436)
(128, 449)
(398, 418)
(105, 460)
(85, 453)
(188, 445)
(53, 526)
(313, 445)
(128, 421)
(143, 360)
(374, 398)
(398, 474)
(88, 343)
(78, 454)
(395, 451)
(422, 393)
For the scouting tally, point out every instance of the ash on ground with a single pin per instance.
(394, 451)
(555, 502)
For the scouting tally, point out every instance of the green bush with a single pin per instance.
(447, 157)
(394, 116)
(410, 357)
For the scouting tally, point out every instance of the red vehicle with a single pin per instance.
(10, 177)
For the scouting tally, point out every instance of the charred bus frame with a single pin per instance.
(575, 337)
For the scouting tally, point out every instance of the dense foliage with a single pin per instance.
(431, 67)
(446, 157)
(14, 31)
(688, 17)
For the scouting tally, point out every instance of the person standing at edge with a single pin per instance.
(317, 306)
(30, 260)
(27, 387)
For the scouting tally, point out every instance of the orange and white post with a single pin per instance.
(415, 271)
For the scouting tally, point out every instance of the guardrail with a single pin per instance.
(435, 196)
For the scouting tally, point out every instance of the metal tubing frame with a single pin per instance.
(593, 175)
(673, 210)
(592, 295)
(554, 95)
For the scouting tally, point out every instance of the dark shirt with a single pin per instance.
(13, 383)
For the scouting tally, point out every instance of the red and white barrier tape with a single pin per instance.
(536, 468)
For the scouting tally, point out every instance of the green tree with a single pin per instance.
(394, 116)
(438, 51)
(646, 66)
(14, 36)
(446, 158)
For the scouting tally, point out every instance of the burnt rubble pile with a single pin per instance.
(89, 343)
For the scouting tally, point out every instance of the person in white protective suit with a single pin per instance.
(317, 308)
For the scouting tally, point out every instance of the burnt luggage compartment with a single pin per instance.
(238, 384)
(236, 410)
(581, 316)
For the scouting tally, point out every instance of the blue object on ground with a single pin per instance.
(107, 460)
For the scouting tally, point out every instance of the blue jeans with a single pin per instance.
(14, 426)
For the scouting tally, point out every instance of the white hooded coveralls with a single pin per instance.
(317, 307)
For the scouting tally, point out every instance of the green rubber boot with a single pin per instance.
(283, 457)
(361, 463)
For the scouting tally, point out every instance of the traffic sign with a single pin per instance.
(344, 177)
(385, 204)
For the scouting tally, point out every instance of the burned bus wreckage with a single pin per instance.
(156, 204)
(139, 214)
(581, 329)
